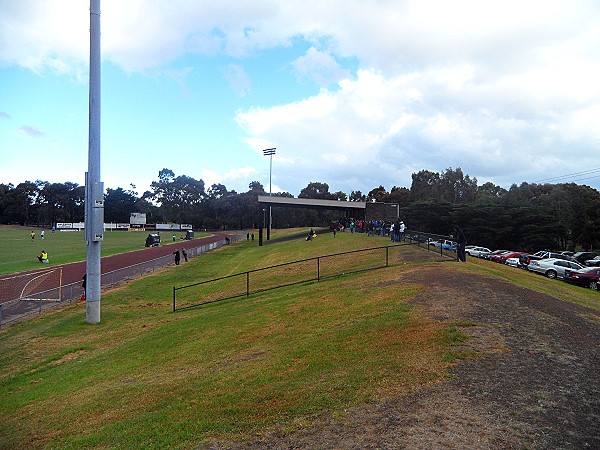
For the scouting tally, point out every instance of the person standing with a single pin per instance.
(42, 234)
(184, 253)
(32, 234)
(83, 285)
(177, 257)
(461, 241)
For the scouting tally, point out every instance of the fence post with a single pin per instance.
(387, 251)
(174, 298)
(318, 269)
(248, 284)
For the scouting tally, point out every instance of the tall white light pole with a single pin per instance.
(269, 152)
(94, 188)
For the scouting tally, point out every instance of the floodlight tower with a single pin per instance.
(269, 152)
(94, 188)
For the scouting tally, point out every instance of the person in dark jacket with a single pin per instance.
(461, 241)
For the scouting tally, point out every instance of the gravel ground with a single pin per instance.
(535, 383)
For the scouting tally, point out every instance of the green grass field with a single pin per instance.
(146, 377)
(19, 253)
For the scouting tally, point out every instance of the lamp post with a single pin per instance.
(94, 188)
(269, 152)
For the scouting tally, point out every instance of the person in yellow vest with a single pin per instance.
(43, 257)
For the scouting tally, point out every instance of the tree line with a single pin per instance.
(525, 217)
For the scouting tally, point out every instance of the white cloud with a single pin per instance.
(210, 177)
(502, 89)
(320, 66)
(45, 35)
(386, 126)
(234, 179)
(30, 131)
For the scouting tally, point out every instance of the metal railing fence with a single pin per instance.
(38, 302)
(244, 284)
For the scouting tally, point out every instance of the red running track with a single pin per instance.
(73, 272)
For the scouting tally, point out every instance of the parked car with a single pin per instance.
(477, 251)
(490, 254)
(513, 262)
(524, 260)
(589, 276)
(544, 254)
(552, 267)
(581, 257)
(521, 261)
(445, 244)
(593, 262)
(502, 257)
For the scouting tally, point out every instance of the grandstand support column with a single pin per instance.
(94, 189)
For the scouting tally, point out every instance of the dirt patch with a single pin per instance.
(535, 382)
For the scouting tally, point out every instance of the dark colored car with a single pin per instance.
(581, 257)
(593, 262)
(586, 277)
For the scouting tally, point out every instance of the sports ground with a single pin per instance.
(421, 354)
(72, 273)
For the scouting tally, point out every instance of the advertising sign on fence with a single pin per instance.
(167, 226)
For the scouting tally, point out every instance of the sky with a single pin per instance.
(352, 93)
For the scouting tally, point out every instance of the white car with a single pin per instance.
(477, 251)
(513, 262)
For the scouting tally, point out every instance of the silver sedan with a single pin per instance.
(553, 267)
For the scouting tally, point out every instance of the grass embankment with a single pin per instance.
(18, 252)
(557, 288)
(147, 377)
